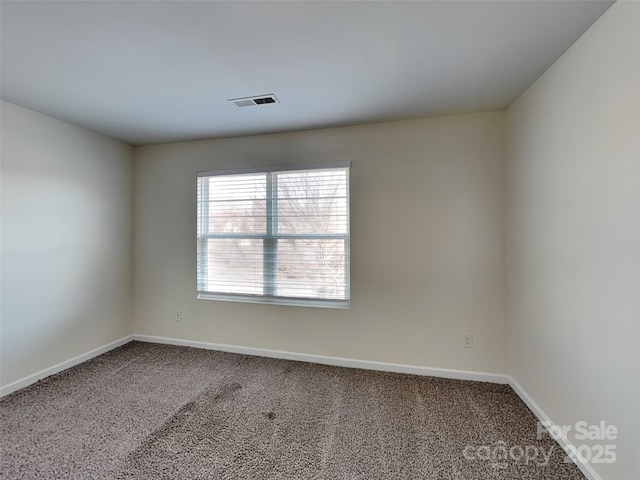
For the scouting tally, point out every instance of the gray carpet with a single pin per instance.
(149, 411)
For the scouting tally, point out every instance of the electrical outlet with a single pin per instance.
(178, 316)
(467, 341)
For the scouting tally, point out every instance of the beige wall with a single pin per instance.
(573, 229)
(427, 244)
(66, 241)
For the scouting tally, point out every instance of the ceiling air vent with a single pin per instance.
(257, 100)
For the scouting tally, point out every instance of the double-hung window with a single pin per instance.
(275, 235)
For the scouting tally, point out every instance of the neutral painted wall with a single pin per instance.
(573, 229)
(427, 248)
(66, 241)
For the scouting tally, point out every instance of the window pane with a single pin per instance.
(234, 266)
(237, 216)
(237, 204)
(311, 268)
(312, 202)
(237, 187)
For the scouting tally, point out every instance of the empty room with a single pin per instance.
(324, 240)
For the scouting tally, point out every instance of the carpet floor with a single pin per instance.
(146, 411)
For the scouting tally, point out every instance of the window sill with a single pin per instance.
(292, 302)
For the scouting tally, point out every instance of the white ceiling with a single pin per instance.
(162, 71)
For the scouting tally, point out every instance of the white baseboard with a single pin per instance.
(585, 467)
(72, 362)
(335, 361)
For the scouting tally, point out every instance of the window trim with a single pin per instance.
(281, 168)
(270, 236)
(272, 300)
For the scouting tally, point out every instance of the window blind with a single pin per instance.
(276, 236)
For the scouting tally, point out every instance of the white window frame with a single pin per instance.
(270, 238)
